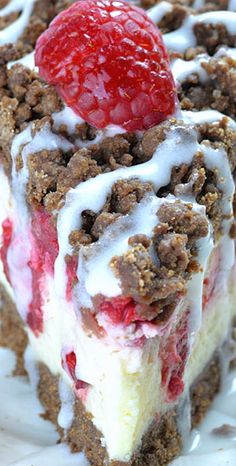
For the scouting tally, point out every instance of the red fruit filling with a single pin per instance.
(121, 310)
(43, 255)
(69, 365)
(7, 229)
(45, 241)
(173, 354)
(108, 62)
(44, 251)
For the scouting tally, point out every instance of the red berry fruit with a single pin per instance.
(108, 62)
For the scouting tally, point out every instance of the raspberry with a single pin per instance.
(108, 62)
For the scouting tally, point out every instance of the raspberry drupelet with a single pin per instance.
(108, 62)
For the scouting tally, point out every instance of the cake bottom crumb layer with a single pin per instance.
(12, 333)
(161, 443)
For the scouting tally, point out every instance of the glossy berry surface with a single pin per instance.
(109, 64)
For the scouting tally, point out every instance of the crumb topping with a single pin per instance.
(218, 93)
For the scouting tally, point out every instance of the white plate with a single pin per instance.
(27, 440)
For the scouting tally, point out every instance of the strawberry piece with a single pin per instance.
(108, 62)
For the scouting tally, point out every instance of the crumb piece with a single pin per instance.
(184, 220)
(226, 430)
(104, 220)
(127, 193)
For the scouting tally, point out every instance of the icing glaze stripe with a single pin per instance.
(12, 33)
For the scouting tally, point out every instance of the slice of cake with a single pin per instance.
(117, 218)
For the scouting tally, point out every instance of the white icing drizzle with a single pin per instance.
(69, 118)
(178, 148)
(98, 256)
(184, 37)
(158, 12)
(216, 160)
(228, 18)
(45, 139)
(226, 184)
(226, 51)
(27, 60)
(12, 33)
(195, 286)
(109, 132)
(181, 69)
(11, 7)
(157, 170)
(205, 116)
